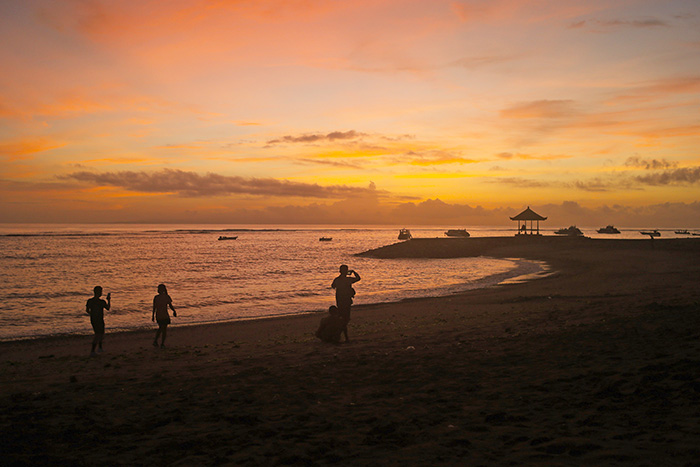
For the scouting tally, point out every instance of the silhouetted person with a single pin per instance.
(331, 326)
(344, 294)
(95, 307)
(161, 302)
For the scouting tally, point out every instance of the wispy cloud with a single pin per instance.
(429, 158)
(520, 182)
(330, 163)
(682, 176)
(549, 157)
(191, 184)
(22, 149)
(318, 137)
(541, 109)
(650, 164)
(598, 24)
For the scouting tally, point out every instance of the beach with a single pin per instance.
(596, 362)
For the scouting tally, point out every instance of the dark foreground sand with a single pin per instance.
(598, 364)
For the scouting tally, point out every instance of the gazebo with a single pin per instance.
(528, 215)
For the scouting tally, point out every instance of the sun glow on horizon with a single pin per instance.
(271, 111)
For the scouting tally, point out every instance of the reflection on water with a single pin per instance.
(47, 273)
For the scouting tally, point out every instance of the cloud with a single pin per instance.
(597, 25)
(23, 149)
(682, 176)
(429, 158)
(472, 63)
(541, 109)
(314, 138)
(652, 164)
(520, 182)
(520, 11)
(509, 156)
(594, 185)
(331, 163)
(190, 184)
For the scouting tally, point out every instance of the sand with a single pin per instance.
(597, 363)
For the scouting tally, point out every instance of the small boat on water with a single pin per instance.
(609, 229)
(457, 233)
(651, 233)
(571, 231)
(228, 238)
(325, 239)
(405, 234)
(682, 232)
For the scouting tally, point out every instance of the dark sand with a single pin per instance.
(597, 364)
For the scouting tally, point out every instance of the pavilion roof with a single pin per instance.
(528, 215)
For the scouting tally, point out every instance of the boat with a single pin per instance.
(457, 233)
(651, 233)
(405, 234)
(228, 238)
(682, 232)
(325, 239)
(609, 229)
(571, 231)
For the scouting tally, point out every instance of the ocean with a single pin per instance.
(47, 272)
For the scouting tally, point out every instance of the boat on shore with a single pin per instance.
(571, 231)
(405, 234)
(228, 238)
(682, 232)
(457, 233)
(651, 233)
(608, 229)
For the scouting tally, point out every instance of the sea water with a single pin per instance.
(47, 272)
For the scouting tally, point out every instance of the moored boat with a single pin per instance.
(651, 233)
(405, 234)
(457, 233)
(609, 229)
(571, 231)
(682, 232)
(325, 239)
(228, 238)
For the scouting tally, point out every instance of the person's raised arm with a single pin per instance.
(109, 301)
(357, 276)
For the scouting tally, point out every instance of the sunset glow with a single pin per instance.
(350, 112)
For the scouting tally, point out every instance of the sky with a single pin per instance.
(390, 112)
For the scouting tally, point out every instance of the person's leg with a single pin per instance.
(345, 315)
(94, 344)
(155, 339)
(163, 334)
(99, 338)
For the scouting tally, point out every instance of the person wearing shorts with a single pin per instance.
(95, 307)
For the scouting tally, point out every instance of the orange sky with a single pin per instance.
(362, 112)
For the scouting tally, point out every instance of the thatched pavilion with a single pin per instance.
(528, 215)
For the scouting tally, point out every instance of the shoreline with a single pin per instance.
(148, 327)
(597, 364)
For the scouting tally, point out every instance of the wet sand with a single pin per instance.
(595, 364)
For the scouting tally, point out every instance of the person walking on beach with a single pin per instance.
(344, 294)
(95, 307)
(161, 302)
